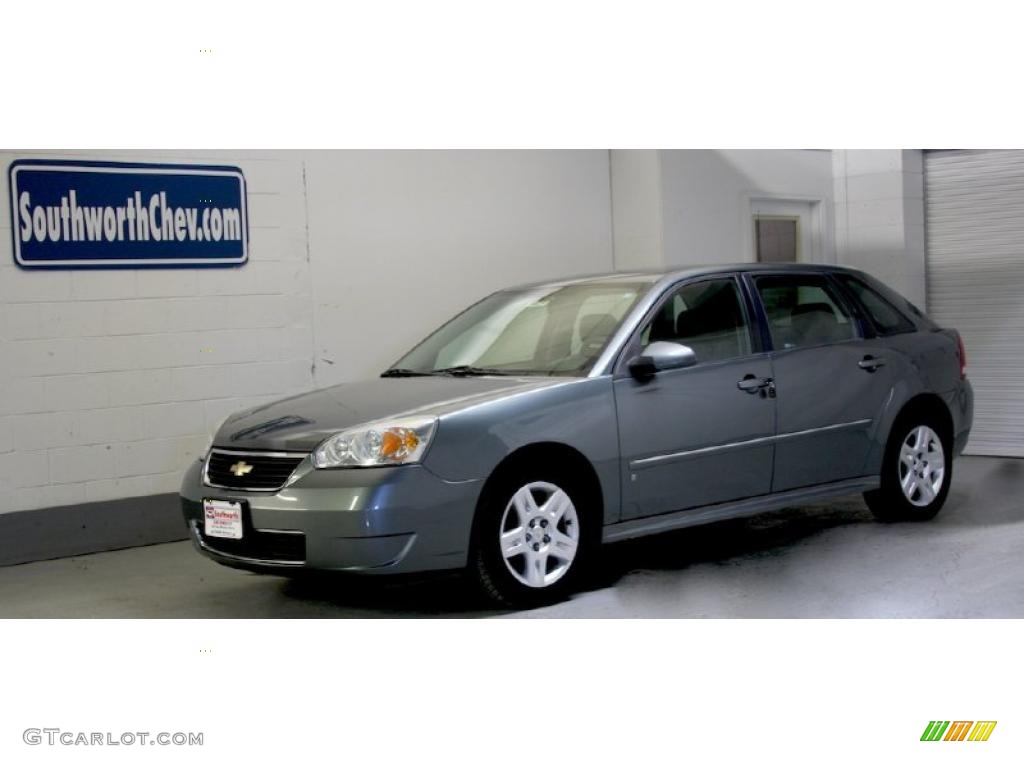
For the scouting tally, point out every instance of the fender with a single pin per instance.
(579, 413)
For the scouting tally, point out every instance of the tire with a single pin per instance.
(917, 470)
(534, 534)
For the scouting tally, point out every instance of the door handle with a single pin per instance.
(752, 384)
(871, 363)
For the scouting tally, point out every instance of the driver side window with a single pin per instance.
(706, 316)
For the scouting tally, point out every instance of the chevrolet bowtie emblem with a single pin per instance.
(240, 468)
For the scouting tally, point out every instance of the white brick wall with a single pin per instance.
(400, 241)
(113, 380)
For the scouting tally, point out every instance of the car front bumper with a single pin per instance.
(376, 520)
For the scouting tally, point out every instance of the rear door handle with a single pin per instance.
(752, 384)
(871, 363)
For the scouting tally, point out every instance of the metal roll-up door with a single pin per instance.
(974, 219)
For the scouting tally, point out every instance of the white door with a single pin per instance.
(974, 218)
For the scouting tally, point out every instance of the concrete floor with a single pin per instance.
(813, 562)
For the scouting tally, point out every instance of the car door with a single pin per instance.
(693, 437)
(831, 383)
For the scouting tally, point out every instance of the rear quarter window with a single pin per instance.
(885, 316)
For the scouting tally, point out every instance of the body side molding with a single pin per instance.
(686, 518)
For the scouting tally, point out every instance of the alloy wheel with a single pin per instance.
(922, 466)
(539, 534)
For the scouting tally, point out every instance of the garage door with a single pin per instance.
(974, 203)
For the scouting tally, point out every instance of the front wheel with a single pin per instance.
(916, 472)
(530, 540)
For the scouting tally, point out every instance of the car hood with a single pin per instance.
(302, 422)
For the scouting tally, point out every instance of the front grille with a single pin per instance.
(269, 471)
(283, 547)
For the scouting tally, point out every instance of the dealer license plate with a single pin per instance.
(223, 519)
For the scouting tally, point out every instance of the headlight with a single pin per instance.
(397, 441)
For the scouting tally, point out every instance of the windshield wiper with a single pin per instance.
(395, 373)
(472, 370)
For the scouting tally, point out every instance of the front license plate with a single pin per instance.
(223, 519)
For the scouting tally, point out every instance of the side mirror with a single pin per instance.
(661, 356)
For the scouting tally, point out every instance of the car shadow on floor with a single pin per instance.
(449, 594)
(771, 534)
(437, 595)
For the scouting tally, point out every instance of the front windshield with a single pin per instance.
(555, 330)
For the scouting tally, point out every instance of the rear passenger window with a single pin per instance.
(706, 316)
(804, 311)
(886, 318)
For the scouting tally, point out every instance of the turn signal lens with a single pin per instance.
(398, 443)
(402, 441)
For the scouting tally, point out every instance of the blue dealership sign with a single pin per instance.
(73, 214)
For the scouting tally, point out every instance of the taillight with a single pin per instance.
(963, 355)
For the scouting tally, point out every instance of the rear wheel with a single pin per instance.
(916, 470)
(531, 539)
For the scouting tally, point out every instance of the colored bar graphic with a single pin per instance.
(935, 730)
(982, 730)
(958, 731)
